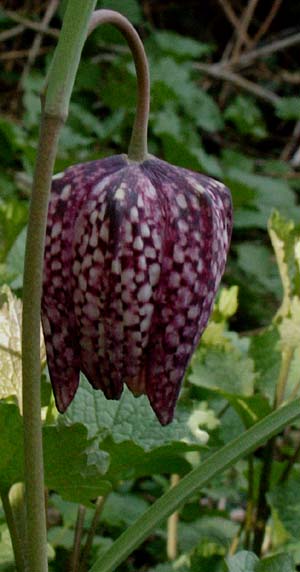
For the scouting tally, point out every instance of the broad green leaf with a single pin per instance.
(277, 563)
(257, 262)
(167, 121)
(120, 510)
(176, 566)
(11, 445)
(215, 529)
(13, 217)
(10, 345)
(257, 196)
(246, 117)
(14, 263)
(133, 437)
(250, 409)
(285, 501)
(180, 47)
(265, 352)
(131, 9)
(243, 561)
(129, 419)
(74, 466)
(225, 372)
(288, 108)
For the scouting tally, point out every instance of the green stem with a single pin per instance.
(137, 150)
(60, 83)
(250, 503)
(91, 533)
(33, 449)
(16, 540)
(263, 510)
(78, 538)
(176, 496)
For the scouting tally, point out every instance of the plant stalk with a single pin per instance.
(60, 84)
(172, 526)
(263, 510)
(78, 538)
(91, 533)
(137, 150)
(16, 540)
(176, 496)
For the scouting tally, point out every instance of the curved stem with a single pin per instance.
(176, 496)
(137, 150)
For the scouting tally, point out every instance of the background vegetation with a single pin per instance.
(225, 84)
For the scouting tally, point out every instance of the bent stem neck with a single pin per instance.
(137, 150)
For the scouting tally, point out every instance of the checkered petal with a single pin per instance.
(133, 259)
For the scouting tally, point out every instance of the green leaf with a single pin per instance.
(199, 477)
(243, 561)
(264, 350)
(129, 419)
(256, 196)
(133, 437)
(246, 117)
(288, 108)
(250, 409)
(285, 501)
(130, 9)
(11, 445)
(257, 262)
(122, 510)
(224, 372)
(13, 216)
(14, 263)
(277, 563)
(74, 466)
(214, 529)
(180, 47)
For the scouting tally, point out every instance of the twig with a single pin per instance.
(276, 46)
(234, 20)
(35, 48)
(38, 27)
(243, 28)
(91, 533)
(267, 22)
(219, 73)
(291, 144)
(15, 31)
(77, 538)
(19, 54)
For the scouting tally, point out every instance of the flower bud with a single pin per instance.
(134, 255)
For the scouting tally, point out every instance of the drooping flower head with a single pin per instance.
(134, 255)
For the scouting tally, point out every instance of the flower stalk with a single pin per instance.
(60, 83)
(137, 150)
